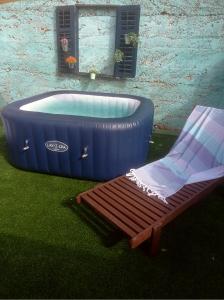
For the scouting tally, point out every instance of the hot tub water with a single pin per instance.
(84, 105)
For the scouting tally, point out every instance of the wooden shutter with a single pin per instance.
(127, 21)
(67, 25)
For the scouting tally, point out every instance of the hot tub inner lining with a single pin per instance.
(84, 105)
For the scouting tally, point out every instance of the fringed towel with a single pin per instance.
(197, 155)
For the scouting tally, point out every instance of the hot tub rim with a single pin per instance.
(14, 108)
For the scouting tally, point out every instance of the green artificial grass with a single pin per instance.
(53, 248)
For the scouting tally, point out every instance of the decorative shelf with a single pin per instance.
(127, 21)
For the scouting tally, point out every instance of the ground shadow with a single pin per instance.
(3, 143)
(109, 235)
(32, 269)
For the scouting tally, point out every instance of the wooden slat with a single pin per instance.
(115, 210)
(186, 193)
(126, 202)
(140, 237)
(124, 208)
(109, 216)
(191, 188)
(200, 185)
(182, 196)
(135, 190)
(171, 205)
(134, 200)
(175, 200)
(123, 204)
(154, 214)
(208, 187)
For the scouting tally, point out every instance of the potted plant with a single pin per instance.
(131, 38)
(118, 56)
(93, 72)
(71, 61)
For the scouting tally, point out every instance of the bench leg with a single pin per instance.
(155, 239)
(78, 200)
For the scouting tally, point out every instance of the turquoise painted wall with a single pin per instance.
(180, 58)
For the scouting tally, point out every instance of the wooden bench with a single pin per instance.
(139, 216)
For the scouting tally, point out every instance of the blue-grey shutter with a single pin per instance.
(67, 25)
(128, 17)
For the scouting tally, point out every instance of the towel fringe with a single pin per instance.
(146, 188)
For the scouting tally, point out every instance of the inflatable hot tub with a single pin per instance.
(94, 136)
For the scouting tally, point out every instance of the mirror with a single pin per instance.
(97, 27)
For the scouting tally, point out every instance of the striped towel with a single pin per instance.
(197, 155)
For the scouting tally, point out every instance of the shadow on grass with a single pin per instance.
(109, 235)
(191, 268)
(3, 146)
(32, 269)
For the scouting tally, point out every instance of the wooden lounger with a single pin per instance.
(139, 216)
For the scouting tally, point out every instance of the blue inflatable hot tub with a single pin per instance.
(94, 136)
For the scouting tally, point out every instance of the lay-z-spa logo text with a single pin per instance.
(56, 146)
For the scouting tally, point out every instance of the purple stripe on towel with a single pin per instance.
(197, 155)
(191, 147)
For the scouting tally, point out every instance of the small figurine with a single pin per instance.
(64, 44)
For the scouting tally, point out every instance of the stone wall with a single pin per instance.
(180, 58)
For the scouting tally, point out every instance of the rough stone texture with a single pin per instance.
(97, 40)
(180, 58)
